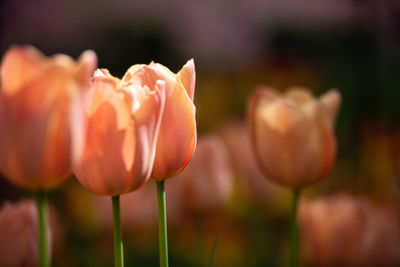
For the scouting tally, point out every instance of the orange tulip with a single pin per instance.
(39, 102)
(292, 134)
(122, 124)
(19, 234)
(177, 138)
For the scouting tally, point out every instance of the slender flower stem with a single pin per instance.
(294, 230)
(41, 205)
(213, 254)
(162, 225)
(118, 246)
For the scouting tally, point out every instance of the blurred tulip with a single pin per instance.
(208, 179)
(177, 138)
(19, 234)
(381, 240)
(292, 134)
(331, 230)
(39, 121)
(275, 197)
(122, 124)
(342, 230)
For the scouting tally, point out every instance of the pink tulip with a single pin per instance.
(292, 134)
(343, 230)
(331, 230)
(381, 240)
(39, 115)
(122, 125)
(208, 179)
(274, 197)
(19, 234)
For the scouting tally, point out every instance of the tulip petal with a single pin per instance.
(187, 76)
(299, 95)
(103, 168)
(87, 63)
(19, 65)
(148, 120)
(177, 138)
(331, 102)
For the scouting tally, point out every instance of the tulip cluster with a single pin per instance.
(62, 118)
(59, 117)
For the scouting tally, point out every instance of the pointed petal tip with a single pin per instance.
(331, 100)
(187, 76)
(88, 57)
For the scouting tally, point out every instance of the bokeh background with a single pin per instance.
(351, 45)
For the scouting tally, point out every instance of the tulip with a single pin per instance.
(274, 197)
(122, 119)
(40, 121)
(177, 138)
(293, 140)
(122, 124)
(38, 115)
(344, 230)
(208, 178)
(19, 234)
(207, 187)
(292, 134)
(332, 229)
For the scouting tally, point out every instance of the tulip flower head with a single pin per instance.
(122, 125)
(39, 117)
(177, 138)
(292, 134)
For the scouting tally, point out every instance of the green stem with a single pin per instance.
(118, 246)
(162, 225)
(213, 254)
(41, 205)
(294, 230)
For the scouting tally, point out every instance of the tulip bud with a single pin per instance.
(122, 125)
(19, 237)
(38, 121)
(292, 134)
(177, 137)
